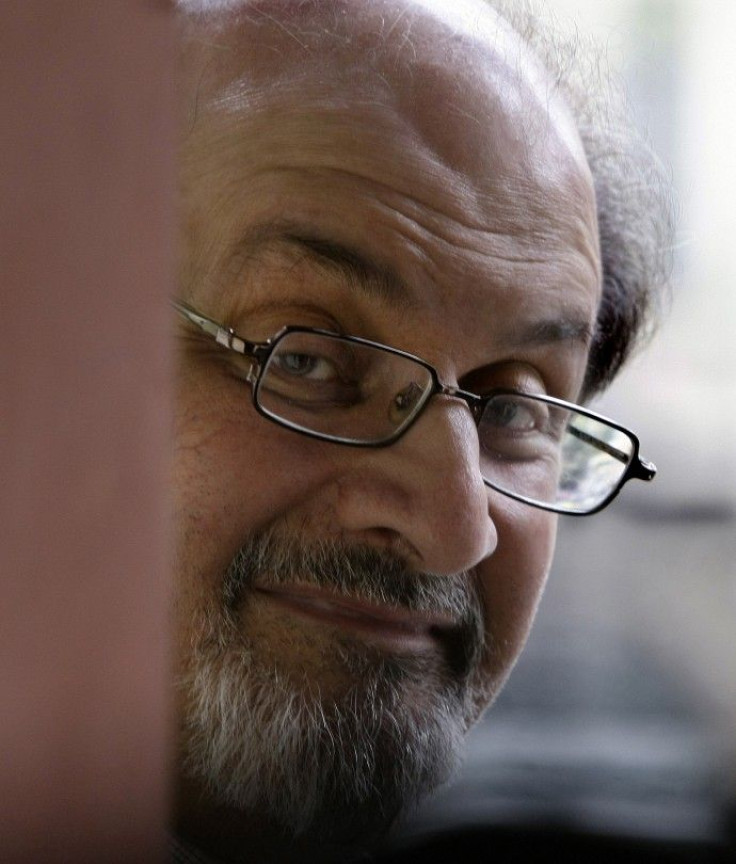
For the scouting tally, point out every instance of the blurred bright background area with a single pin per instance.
(620, 718)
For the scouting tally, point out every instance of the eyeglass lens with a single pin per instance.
(342, 389)
(551, 454)
(347, 391)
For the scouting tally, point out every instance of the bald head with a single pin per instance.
(634, 205)
(439, 64)
(452, 86)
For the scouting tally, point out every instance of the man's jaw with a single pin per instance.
(266, 734)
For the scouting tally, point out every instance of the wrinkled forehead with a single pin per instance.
(454, 73)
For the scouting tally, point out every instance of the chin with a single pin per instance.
(336, 748)
(340, 768)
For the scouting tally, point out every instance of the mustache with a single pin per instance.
(377, 576)
(274, 558)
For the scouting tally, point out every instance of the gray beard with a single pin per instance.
(338, 769)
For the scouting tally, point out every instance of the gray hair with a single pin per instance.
(632, 186)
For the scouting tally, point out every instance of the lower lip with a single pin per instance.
(391, 635)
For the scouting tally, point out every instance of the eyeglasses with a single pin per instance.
(537, 449)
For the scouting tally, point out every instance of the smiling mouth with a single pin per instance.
(396, 629)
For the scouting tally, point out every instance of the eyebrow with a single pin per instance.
(360, 271)
(380, 280)
(564, 328)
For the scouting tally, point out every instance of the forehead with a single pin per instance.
(354, 115)
(455, 71)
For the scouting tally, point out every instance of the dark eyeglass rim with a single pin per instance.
(636, 469)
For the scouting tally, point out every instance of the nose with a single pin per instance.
(423, 495)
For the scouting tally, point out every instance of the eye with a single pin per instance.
(519, 428)
(513, 414)
(304, 365)
(313, 368)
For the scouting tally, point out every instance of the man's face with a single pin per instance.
(344, 614)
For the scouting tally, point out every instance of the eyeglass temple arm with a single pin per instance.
(222, 335)
(640, 469)
(643, 470)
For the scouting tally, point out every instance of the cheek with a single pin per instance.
(511, 584)
(233, 474)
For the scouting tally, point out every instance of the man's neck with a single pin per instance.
(222, 835)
